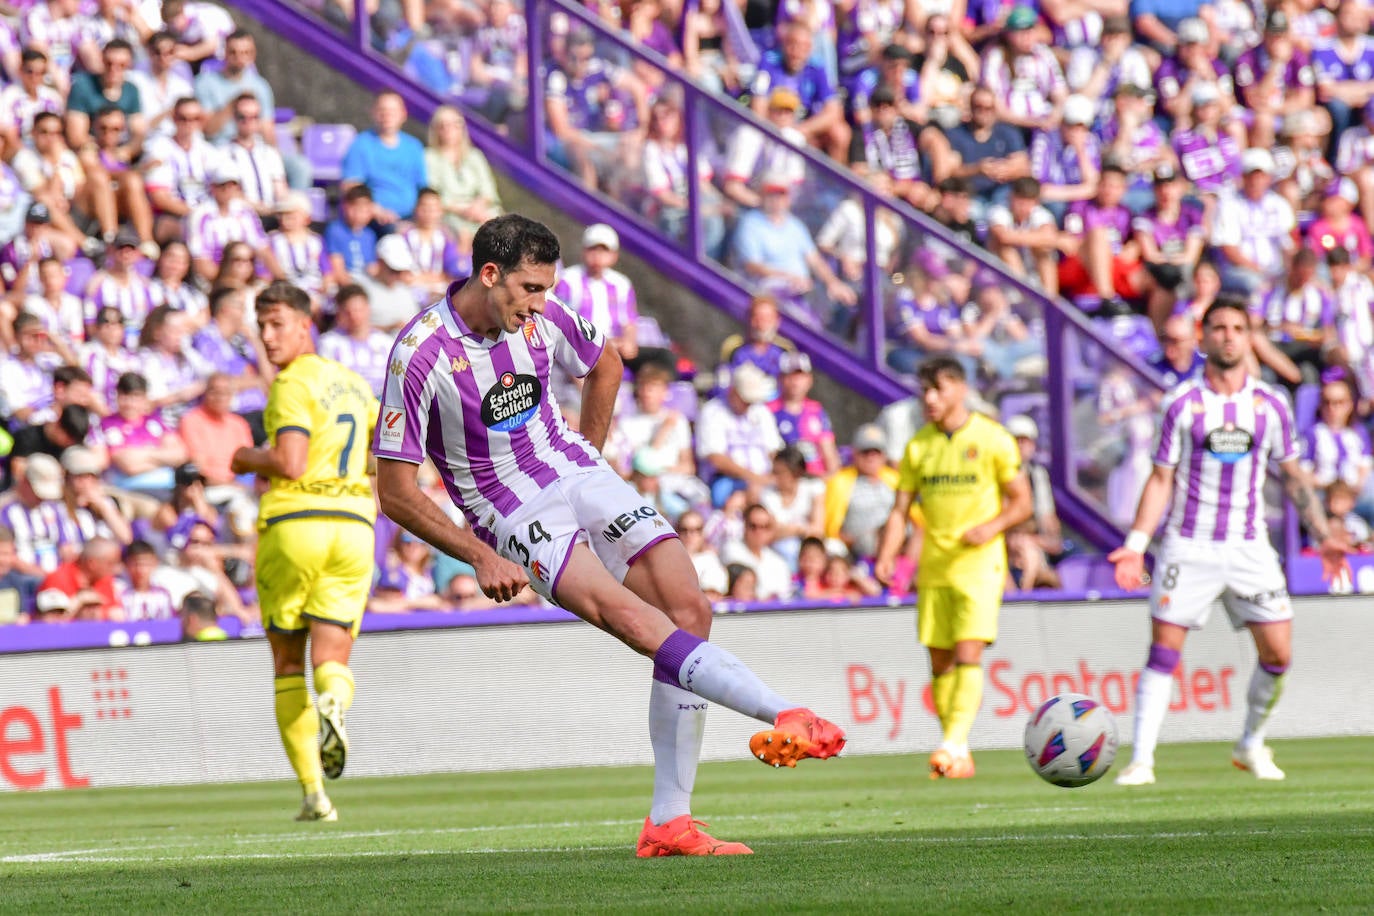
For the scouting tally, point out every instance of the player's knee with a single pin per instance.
(693, 614)
(1275, 661)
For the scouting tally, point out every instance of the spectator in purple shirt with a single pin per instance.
(893, 72)
(1209, 156)
(1134, 141)
(1192, 65)
(1107, 261)
(226, 346)
(1274, 79)
(1344, 69)
(822, 121)
(1171, 238)
(1066, 160)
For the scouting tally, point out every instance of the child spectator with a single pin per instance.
(651, 446)
(1024, 235)
(349, 239)
(802, 421)
(743, 585)
(1340, 508)
(436, 255)
(143, 451)
(796, 501)
(141, 599)
(299, 249)
(811, 562)
(845, 581)
(62, 314)
(1337, 227)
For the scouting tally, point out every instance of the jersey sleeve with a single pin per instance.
(574, 341)
(402, 425)
(1284, 443)
(908, 479)
(288, 407)
(1169, 443)
(1006, 457)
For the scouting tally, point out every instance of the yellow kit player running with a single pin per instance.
(315, 545)
(966, 471)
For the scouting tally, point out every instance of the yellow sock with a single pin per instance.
(966, 697)
(335, 678)
(299, 725)
(942, 694)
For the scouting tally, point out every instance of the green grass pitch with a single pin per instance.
(865, 834)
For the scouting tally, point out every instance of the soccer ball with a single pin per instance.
(1071, 740)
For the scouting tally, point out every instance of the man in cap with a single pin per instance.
(600, 293)
(393, 300)
(859, 497)
(1275, 79)
(225, 218)
(894, 73)
(737, 436)
(31, 511)
(1067, 159)
(1253, 229)
(822, 118)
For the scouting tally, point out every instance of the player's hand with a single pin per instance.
(237, 463)
(1130, 568)
(979, 535)
(499, 578)
(884, 568)
(1335, 564)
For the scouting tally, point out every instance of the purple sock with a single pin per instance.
(1275, 670)
(669, 658)
(1162, 659)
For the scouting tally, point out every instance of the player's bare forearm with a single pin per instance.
(1298, 485)
(1158, 488)
(1016, 505)
(407, 505)
(598, 396)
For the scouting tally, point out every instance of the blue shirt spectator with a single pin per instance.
(357, 247)
(390, 163)
(217, 89)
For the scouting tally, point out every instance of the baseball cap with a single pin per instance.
(38, 213)
(44, 475)
(1023, 427)
(1192, 31)
(1256, 159)
(126, 237)
(1078, 109)
(794, 362)
(1277, 23)
(1206, 93)
(1021, 18)
(295, 202)
(751, 383)
(52, 599)
(600, 235)
(225, 173)
(1345, 189)
(79, 460)
(870, 437)
(782, 97)
(1165, 173)
(393, 251)
(775, 180)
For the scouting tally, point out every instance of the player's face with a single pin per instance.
(1226, 337)
(943, 398)
(285, 333)
(517, 296)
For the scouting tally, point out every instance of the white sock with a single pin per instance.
(711, 672)
(677, 720)
(1152, 696)
(1260, 700)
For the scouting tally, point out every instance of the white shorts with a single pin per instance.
(1190, 575)
(596, 508)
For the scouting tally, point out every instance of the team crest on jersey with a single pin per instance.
(971, 454)
(511, 402)
(397, 368)
(532, 336)
(1229, 444)
(460, 364)
(585, 326)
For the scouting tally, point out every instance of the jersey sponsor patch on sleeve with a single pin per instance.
(393, 426)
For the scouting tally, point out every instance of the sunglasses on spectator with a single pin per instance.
(760, 526)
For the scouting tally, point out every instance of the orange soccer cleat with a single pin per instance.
(796, 735)
(683, 836)
(945, 765)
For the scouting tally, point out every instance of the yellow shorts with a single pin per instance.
(314, 569)
(949, 614)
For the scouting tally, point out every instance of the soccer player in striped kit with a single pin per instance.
(468, 387)
(1219, 431)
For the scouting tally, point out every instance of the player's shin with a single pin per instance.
(966, 696)
(942, 695)
(336, 679)
(710, 672)
(299, 725)
(677, 721)
(1266, 686)
(1152, 701)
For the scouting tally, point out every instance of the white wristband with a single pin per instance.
(1137, 541)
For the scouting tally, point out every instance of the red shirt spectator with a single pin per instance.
(84, 588)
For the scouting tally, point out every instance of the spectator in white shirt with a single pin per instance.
(755, 552)
(183, 163)
(600, 293)
(1254, 229)
(711, 574)
(260, 164)
(21, 101)
(1024, 235)
(737, 436)
(353, 340)
(161, 85)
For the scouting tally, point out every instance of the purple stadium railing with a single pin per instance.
(865, 373)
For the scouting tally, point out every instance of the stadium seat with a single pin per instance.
(1305, 402)
(79, 273)
(319, 204)
(648, 333)
(1073, 573)
(325, 145)
(283, 115)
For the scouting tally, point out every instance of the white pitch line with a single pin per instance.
(84, 855)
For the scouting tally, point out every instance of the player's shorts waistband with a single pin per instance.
(317, 514)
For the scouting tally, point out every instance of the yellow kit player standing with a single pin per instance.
(966, 471)
(315, 543)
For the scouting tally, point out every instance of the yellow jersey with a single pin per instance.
(958, 480)
(335, 407)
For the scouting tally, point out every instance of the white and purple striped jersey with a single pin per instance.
(1220, 447)
(367, 357)
(607, 301)
(154, 603)
(209, 231)
(1336, 454)
(483, 410)
(302, 260)
(184, 172)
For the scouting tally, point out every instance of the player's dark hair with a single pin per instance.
(131, 383)
(75, 421)
(139, 548)
(937, 367)
(282, 292)
(67, 375)
(510, 240)
(1226, 301)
